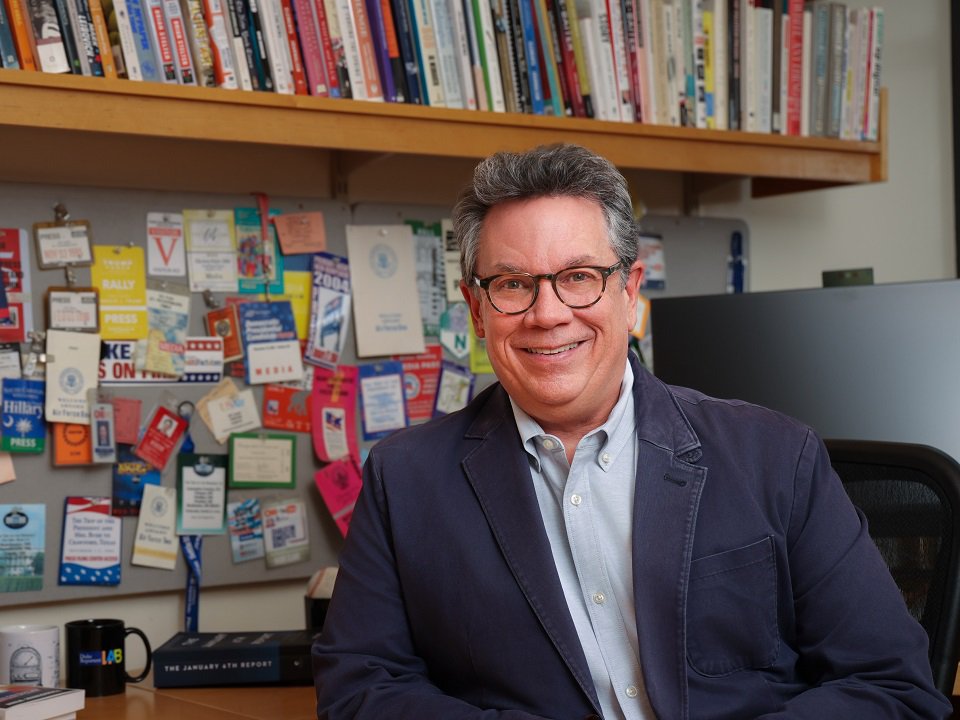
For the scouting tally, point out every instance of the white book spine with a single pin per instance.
(489, 40)
(462, 52)
(427, 41)
(721, 61)
(764, 67)
(447, 53)
(671, 21)
(806, 74)
(275, 38)
(748, 66)
(855, 131)
(620, 62)
(160, 32)
(127, 46)
(186, 73)
(784, 38)
(872, 126)
(605, 106)
(81, 34)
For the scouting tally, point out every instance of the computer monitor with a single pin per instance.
(878, 362)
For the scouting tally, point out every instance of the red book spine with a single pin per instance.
(311, 48)
(795, 67)
(330, 63)
(296, 60)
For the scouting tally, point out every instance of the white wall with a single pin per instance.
(902, 228)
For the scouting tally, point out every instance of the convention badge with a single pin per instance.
(383, 407)
(201, 494)
(90, 544)
(71, 444)
(102, 436)
(62, 242)
(333, 402)
(130, 476)
(163, 431)
(155, 544)
(286, 408)
(286, 540)
(339, 485)
(301, 233)
(245, 523)
(225, 323)
(166, 256)
(233, 414)
(455, 389)
(24, 428)
(73, 308)
(455, 330)
(261, 460)
(421, 374)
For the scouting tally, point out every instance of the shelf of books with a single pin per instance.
(67, 129)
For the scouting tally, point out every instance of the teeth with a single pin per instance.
(552, 351)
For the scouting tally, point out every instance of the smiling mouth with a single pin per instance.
(552, 351)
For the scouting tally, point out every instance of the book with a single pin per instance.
(794, 61)
(102, 35)
(44, 34)
(338, 76)
(548, 52)
(68, 34)
(835, 68)
(447, 54)
(421, 19)
(464, 63)
(818, 83)
(871, 122)
(406, 42)
(493, 69)
(278, 49)
(19, 30)
(311, 48)
(88, 52)
(241, 43)
(145, 48)
(224, 68)
(31, 702)
(234, 658)
(297, 72)
(260, 68)
(127, 42)
(177, 28)
(160, 32)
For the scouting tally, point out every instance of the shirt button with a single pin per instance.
(575, 499)
(631, 691)
(599, 598)
(605, 458)
(549, 444)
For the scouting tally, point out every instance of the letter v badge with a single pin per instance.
(165, 250)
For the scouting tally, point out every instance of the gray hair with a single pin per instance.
(546, 171)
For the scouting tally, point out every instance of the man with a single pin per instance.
(585, 541)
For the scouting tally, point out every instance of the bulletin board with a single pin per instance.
(696, 250)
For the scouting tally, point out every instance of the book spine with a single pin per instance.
(261, 60)
(236, 21)
(408, 52)
(377, 30)
(462, 53)
(506, 62)
(764, 68)
(735, 24)
(192, 11)
(186, 73)
(223, 63)
(708, 81)
(8, 49)
(565, 90)
(794, 65)
(421, 16)
(782, 35)
(748, 67)
(20, 29)
(446, 53)
(161, 38)
(621, 64)
(297, 71)
(337, 48)
(311, 48)
(854, 131)
(679, 111)
(531, 53)
(275, 39)
(492, 68)
(128, 41)
(473, 45)
(721, 85)
(568, 56)
(569, 10)
(775, 10)
(85, 38)
(699, 64)
(646, 105)
(835, 68)
(820, 51)
(806, 76)
(48, 43)
(872, 115)
(68, 34)
(329, 62)
(549, 57)
(394, 56)
(520, 71)
(102, 33)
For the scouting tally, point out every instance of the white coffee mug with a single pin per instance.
(30, 655)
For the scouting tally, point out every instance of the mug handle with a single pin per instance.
(146, 644)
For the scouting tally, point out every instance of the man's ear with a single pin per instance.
(632, 288)
(472, 296)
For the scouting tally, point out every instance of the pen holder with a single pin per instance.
(315, 610)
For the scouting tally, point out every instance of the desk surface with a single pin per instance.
(144, 702)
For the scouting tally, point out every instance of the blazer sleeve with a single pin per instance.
(365, 665)
(864, 654)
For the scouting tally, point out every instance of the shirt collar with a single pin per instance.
(618, 428)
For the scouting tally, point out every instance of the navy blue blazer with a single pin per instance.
(758, 591)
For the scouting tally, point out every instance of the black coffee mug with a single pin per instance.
(95, 656)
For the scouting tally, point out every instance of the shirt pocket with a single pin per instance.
(732, 610)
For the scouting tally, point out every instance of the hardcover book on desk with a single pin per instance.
(234, 658)
(873, 362)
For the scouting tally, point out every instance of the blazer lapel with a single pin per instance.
(499, 472)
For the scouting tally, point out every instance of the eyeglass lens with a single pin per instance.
(576, 287)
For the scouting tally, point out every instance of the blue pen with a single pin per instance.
(735, 264)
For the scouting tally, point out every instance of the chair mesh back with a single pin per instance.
(911, 523)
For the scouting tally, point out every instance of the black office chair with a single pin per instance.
(911, 497)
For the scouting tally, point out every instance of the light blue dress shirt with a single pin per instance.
(587, 509)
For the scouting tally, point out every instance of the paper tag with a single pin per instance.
(156, 542)
(246, 530)
(339, 484)
(232, 414)
(381, 399)
(285, 533)
(301, 233)
(166, 256)
(202, 494)
(160, 438)
(90, 553)
(333, 407)
(102, 438)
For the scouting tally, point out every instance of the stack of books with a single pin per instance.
(29, 702)
(771, 66)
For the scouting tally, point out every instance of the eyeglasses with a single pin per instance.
(577, 287)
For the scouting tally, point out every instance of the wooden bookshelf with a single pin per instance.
(73, 130)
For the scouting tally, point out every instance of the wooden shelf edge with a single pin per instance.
(265, 120)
